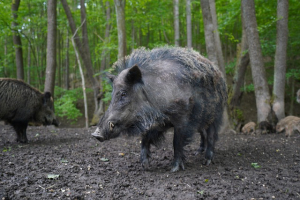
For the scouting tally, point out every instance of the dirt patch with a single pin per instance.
(83, 168)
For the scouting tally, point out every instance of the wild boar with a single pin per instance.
(20, 103)
(288, 124)
(249, 128)
(162, 88)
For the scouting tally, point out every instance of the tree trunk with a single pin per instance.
(120, 11)
(221, 64)
(67, 61)
(17, 40)
(280, 58)
(105, 54)
(240, 71)
(188, 24)
(51, 47)
(176, 22)
(82, 82)
(243, 61)
(5, 58)
(83, 47)
(28, 64)
(262, 94)
(209, 32)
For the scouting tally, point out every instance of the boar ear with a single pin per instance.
(46, 97)
(110, 77)
(134, 75)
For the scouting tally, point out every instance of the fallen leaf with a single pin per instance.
(104, 159)
(52, 176)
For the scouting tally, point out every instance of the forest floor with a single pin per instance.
(67, 163)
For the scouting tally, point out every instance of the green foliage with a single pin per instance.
(248, 88)
(65, 104)
(294, 73)
(230, 67)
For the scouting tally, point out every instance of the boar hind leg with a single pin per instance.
(20, 128)
(151, 137)
(212, 137)
(203, 135)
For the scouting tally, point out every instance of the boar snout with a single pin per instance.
(98, 135)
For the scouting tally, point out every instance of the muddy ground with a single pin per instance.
(67, 163)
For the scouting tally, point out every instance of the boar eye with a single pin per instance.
(123, 94)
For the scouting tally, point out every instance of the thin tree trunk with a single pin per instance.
(82, 81)
(120, 11)
(51, 47)
(17, 40)
(209, 32)
(28, 64)
(243, 61)
(104, 54)
(5, 58)
(59, 39)
(262, 94)
(67, 67)
(82, 46)
(176, 22)
(188, 24)
(280, 58)
(218, 44)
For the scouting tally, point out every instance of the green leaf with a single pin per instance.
(52, 176)
(255, 165)
(206, 180)
(64, 161)
(104, 159)
(200, 192)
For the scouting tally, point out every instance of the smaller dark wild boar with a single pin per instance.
(162, 88)
(20, 103)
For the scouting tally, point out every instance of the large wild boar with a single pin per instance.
(162, 88)
(20, 103)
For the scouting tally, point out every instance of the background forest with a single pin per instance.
(45, 56)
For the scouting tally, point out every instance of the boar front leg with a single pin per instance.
(181, 138)
(20, 128)
(145, 150)
(151, 137)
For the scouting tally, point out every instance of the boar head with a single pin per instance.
(130, 110)
(45, 114)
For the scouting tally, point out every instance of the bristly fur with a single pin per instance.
(198, 70)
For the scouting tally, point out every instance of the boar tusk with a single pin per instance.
(111, 126)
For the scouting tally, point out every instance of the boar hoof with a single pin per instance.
(207, 162)
(176, 167)
(145, 164)
(24, 141)
(200, 150)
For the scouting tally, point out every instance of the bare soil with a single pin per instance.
(67, 163)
